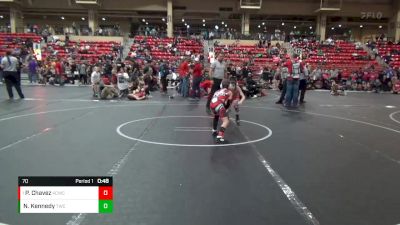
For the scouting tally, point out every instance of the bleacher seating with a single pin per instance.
(89, 50)
(158, 47)
(385, 48)
(12, 41)
(341, 54)
(244, 54)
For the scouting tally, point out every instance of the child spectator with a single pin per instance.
(122, 82)
(95, 79)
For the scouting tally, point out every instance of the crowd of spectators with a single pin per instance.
(347, 64)
(387, 50)
(155, 63)
(74, 29)
(149, 48)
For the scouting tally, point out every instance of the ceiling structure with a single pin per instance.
(293, 13)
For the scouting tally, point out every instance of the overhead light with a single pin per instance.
(310, 28)
(283, 24)
(204, 20)
(83, 18)
(222, 22)
(263, 23)
(87, 2)
(259, 26)
(361, 26)
(185, 24)
(1, 16)
(63, 18)
(188, 26)
(143, 20)
(380, 26)
(226, 25)
(216, 27)
(183, 20)
(104, 19)
(147, 23)
(294, 27)
(332, 28)
(204, 25)
(340, 25)
(163, 19)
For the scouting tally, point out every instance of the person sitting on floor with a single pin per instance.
(107, 90)
(138, 92)
(336, 90)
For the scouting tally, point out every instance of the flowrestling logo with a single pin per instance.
(371, 15)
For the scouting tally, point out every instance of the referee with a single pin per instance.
(10, 66)
(217, 73)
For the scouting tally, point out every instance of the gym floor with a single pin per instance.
(333, 161)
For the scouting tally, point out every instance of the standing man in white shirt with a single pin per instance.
(95, 79)
(10, 65)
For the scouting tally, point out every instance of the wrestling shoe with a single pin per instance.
(220, 137)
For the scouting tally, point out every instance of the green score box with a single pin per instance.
(105, 206)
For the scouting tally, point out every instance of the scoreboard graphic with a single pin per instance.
(65, 194)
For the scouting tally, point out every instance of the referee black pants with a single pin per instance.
(216, 86)
(12, 79)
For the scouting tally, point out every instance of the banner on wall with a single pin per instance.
(37, 51)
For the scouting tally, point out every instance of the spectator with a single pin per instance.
(292, 83)
(139, 92)
(251, 89)
(74, 72)
(184, 78)
(95, 79)
(164, 72)
(68, 73)
(107, 90)
(45, 34)
(83, 73)
(197, 78)
(303, 83)
(32, 71)
(284, 74)
(58, 73)
(336, 89)
(148, 73)
(122, 82)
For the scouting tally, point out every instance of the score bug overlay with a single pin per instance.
(65, 194)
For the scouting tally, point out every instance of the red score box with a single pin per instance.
(105, 193)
